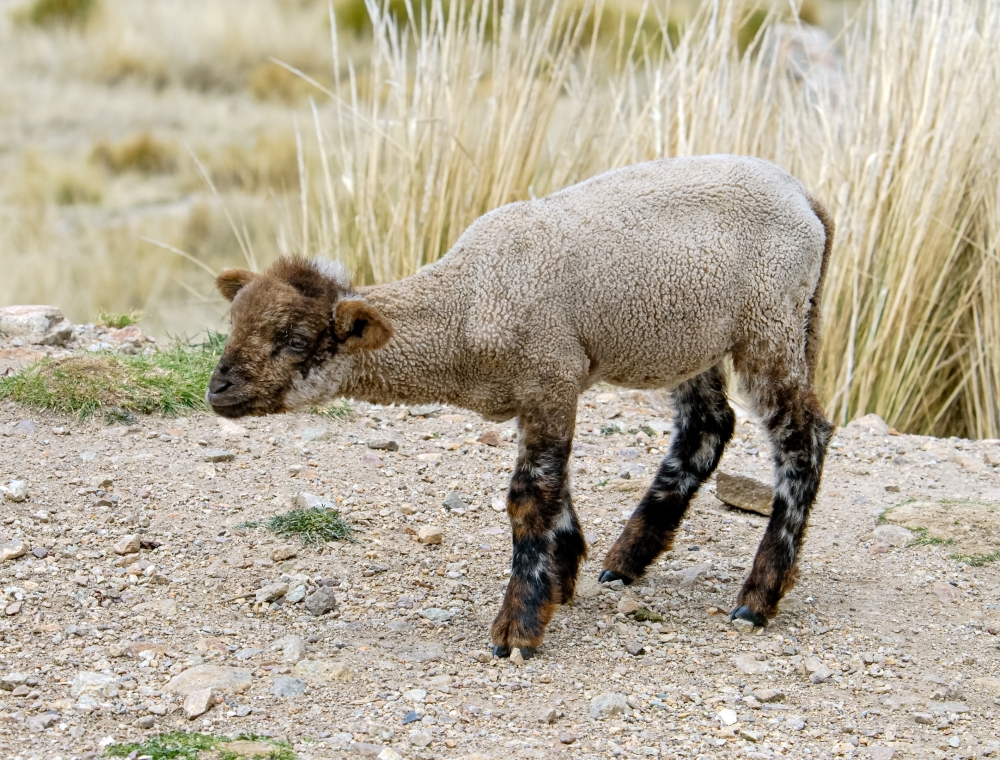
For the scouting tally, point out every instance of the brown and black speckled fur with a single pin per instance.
(645, 277)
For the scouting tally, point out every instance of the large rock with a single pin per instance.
(45, 325)
(16, 490)
(321, 601)
(743, 492)
(219, 677)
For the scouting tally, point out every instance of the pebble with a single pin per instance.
(607, 704)
(410, 717)
(323, 671)
(286, 686)
(628, 606)
(894, 535)
(293, 649)
(923, 718)
(516, 657)
(98, 685)
(16, 490)
(146, 721)
(690, 576)
(40, 552)
(769, 695)
(218, 455)
(296, 595)
(425, 410)
(490, 438)
(128, 545)
(436, 615)
(40, 722)
(566, 737)
(12, 609)
(945, 592)
(321, 601)
(11, 681)
(421, 739)
(13, 549)
(818, 672)
(749, 665)
(728, 717)
(548, 715)
(634, 648)
(430, 535)
(199, 702)
(383, 445)
(388, 754)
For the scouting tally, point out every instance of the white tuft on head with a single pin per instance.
(334, 270)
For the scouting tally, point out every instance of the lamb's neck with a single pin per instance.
(422, 362)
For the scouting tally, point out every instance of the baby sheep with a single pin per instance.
(646, 277)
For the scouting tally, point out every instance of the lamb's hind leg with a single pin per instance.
(536, 501)
(703, 425)
(799, 434)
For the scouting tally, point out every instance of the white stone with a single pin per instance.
(97, 685)
(727, 717)
(607, 704)
(199, 702)
(16, 490)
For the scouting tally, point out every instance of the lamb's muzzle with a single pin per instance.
(647, 276)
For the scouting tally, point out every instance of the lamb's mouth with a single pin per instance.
(225, 405)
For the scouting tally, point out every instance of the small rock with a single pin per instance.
(220, 677)
(693, 573)
(744, 492)
(16, 490)
(271, 592)
(310, 435)
(946, 593)
(454, 501)
(426, 410)
(199, 702)
(321, 601)
(218, 455)
(607, 704)
(881, 752)
(566, 737)
(878, 549)
(727, 717)
(13, 550)
(128, 545)
(644, 614)
(587, 588)
(429, 535)
(420, 739)
(281, 553)
(386, 445)
(490, 438)
(97, 685)
(436, 615)
(11, 681)
(321, 672)
(794, 723)
(40, 722)
(40, 552)
(741, 625)
(146, 721)
(516, 657)
(871, 424)
(924, 719)
(634, 648)
(388, 754)
(818, 672)
(410, 717)
(12, 609)
(286, 686)
(306, 500)
(749, 665)
(628, 606)
(296, 595)
(415, 695)
(893, 535)
(293, 650)
(769, 695)
(548, 715)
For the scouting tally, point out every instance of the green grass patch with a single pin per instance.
(186, 746)
(56, 12)
(977, 560)
(167, 382)
(924, 540)
(338, 410)
(610, 430)
(118, 321)
(315, 525)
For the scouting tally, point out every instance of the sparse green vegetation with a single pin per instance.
(57, 12)
(977, 560)
(165, 382)
(180, 745)
(314, 526)
(118, 321)
(610, 430)
(338, 410)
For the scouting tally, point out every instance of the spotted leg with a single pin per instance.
(543, 527)
(799, 435)
(703, 425)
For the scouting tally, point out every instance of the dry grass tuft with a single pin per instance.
(143, 153)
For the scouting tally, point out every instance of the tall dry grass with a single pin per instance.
(893, 127)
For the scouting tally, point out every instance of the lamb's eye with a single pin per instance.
(297, 344)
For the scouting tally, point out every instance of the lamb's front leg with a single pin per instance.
(535, 502)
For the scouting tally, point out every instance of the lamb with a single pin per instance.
(646, 277)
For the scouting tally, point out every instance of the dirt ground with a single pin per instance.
(882, 650)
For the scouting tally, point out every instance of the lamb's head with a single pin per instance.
(295, 329)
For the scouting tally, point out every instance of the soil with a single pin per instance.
(881, 651)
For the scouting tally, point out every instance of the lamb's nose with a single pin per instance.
(218, 384)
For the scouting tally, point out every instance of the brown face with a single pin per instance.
(286, 325)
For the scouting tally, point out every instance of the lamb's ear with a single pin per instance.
(230, 281)
(359, 325)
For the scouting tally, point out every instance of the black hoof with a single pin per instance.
(745, 613)
(504, 652)
(607, 576)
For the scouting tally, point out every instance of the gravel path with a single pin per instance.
(880, 651)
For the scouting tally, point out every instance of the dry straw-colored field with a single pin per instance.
(377, 142)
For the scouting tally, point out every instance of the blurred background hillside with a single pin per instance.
(146, 143)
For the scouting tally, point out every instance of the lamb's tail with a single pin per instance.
(813, 319)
